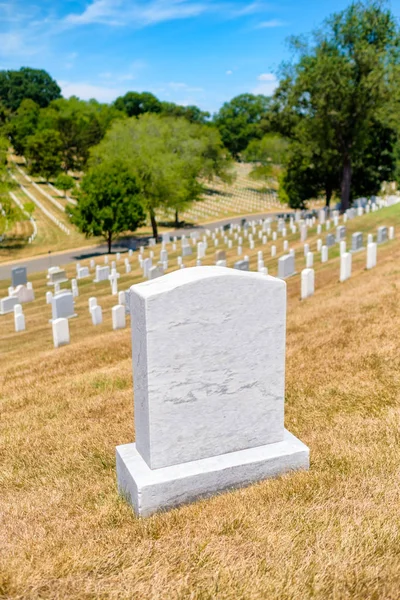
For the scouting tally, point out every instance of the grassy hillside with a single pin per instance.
(243, 197)
(332, 532)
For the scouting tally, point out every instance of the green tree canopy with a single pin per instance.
(22, 125)
(192, 113)
(64, 182)
(167, 157)
(109, 201)
(269, 156)
(138, 103)
(43, 153)
(81, 125)
(35, 84)
(345, 82)
(241, 120)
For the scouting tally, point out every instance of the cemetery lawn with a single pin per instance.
(332, 532)
(221, 201)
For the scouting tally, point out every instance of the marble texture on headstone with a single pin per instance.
(62, 306)
(391, 233)
(60, 332)
(286, 266)
(211, 417)
(49, 296)
(18, 276)
(324, 254)
(161, 308)
(309, 260)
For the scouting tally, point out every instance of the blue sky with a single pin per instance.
(200, 52)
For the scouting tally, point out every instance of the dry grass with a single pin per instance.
(243, 197)
(333, 532)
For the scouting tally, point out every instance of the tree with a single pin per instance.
(345, 83)
(81, 125)
(35, 84)
(109, 202)
(241, 120)
(268, 154)
(192, 113)
(43, 153)
(138, 103)
(64, 182)
(167, 156)
(22, 125)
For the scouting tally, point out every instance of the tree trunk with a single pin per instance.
(109, 240)
(346, 184)
(153, 224)
(328, 192)
(176, 219)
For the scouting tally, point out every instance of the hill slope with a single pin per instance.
(332, 532)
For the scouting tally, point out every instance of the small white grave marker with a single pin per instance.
(307, 283)
(371, 255)
(118, 316)
(60, 332)
(96, 314)
(345, 266)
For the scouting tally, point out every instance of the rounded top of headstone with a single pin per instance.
(183, 277)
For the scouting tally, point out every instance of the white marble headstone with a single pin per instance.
(215, 400)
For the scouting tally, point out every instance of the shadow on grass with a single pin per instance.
(213, 192)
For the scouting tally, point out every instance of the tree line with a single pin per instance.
(329, 130)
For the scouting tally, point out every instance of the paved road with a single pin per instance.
(42, 263)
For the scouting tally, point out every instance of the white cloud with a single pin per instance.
(229, 72)
(267, 86)
(138, 13)
(271, 23)
(86, 91)
(266, 77)
(141, 13)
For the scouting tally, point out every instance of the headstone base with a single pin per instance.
(152, 490)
